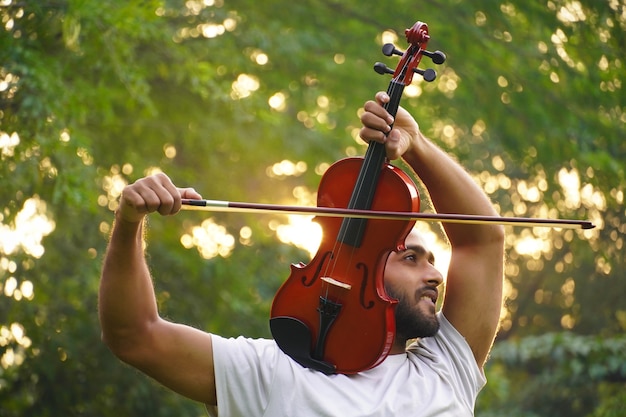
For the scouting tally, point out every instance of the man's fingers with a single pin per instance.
(189, 193)
(154, 193)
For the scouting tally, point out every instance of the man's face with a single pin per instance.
(412, 279)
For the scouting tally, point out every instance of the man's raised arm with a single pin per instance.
(178, 356)
(473, 298)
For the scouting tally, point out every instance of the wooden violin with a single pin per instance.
(333, 314)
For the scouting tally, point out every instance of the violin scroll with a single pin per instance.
(418, 38)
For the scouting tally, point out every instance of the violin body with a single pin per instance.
(344, 275)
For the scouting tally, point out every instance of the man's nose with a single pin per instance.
(433, 276)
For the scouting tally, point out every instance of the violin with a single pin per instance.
(333, 314)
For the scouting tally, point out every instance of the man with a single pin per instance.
(439, 375)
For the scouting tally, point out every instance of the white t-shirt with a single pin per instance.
(437, 376)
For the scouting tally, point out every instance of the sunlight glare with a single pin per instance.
(259, 57)
(571, 12)
(559, 39)
(13, 334)
(8, 144)
(440, 249)
(529, 245)
(10, 285)
(301, 232)
(169, 150)
(210, 239)
(278, 101)
(244, 86)
(413, 90)
(245, 235)
(211, 30)
(339, 58)
(113, 185)
(570, 182)
(448, 82)
(286, 168)
(389, 36)
(529, 192)
(30, 226)
(27, 290)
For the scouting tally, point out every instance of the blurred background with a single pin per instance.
(251, 100)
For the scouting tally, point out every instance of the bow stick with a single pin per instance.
(241, 207)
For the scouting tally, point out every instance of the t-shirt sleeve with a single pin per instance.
(243, 375)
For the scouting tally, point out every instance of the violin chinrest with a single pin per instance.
(294, 338)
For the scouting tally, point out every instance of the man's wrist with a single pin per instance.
(414, 155)
(127, 227)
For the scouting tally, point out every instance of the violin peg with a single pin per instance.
(437, 57)
(382, 69)
(428, 74)
(389, 49)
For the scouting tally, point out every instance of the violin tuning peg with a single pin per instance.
(428, 74)
(382, 69)
(389, 49)
(437, 57)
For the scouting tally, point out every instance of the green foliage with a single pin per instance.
(94, 92)
(557, 374)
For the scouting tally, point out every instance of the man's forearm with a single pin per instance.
(126, 299)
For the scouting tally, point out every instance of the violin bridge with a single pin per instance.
(336, 283)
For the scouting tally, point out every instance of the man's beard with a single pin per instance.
(411, 322)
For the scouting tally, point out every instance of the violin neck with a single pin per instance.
(352, 229)
(394, 91)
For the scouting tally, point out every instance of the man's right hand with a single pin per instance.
(150, 194)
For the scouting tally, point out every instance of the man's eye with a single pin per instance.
(410, 257)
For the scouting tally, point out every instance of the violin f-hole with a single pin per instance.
(306, 282)
(364, 281)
